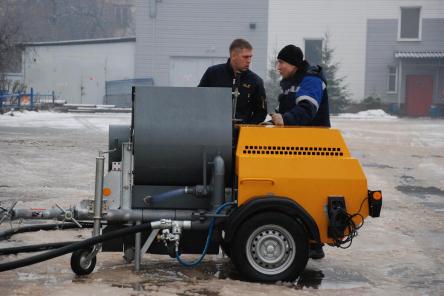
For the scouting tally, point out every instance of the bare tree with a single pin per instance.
(10, 30)
(57, 20)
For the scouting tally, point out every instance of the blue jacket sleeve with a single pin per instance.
(308, 99)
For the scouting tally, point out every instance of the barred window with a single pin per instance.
(391, 81)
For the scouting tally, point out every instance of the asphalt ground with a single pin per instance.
(45, 161)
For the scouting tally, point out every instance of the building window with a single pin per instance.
(391, 81)
(121, 14)
(313, 51)
(410, 23)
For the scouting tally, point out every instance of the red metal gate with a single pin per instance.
(419, 95)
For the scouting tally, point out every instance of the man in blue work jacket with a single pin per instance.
(304, 98)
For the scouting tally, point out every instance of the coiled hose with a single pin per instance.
(207, 243)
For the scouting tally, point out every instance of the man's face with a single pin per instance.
(241, 59)
(285, 69)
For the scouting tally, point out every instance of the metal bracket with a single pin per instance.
(68, 215)
(149, 241)
(8, 212)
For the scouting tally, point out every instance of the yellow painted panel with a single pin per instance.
(303, 164)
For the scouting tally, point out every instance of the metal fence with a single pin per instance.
(118, 92)
(29, 101)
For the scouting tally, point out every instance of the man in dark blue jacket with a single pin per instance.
(247, 87)
(304, 98)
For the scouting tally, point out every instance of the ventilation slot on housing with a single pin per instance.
(292, 150)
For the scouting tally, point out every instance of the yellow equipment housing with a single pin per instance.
(304, 164)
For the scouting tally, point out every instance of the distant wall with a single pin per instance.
(346, 20)
(382, 44)
(177, 40)
(77, 71)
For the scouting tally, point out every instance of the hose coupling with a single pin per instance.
(198, 190)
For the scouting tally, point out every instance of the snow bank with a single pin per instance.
(368, 114)
(47, 119)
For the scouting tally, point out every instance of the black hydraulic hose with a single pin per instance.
(73, 247)
(29, 228)
(34, 248)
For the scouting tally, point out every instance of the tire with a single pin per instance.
(270, 247)
(78, 262)
(225, 246)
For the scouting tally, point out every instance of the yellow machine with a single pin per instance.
(298, 178)
(192, 181)
(306, 165)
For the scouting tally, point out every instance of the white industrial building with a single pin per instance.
(177, 40)
(77, 70)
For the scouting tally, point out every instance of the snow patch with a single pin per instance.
(368, 114)
(48, 119)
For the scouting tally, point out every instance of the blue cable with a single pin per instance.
(207, 243)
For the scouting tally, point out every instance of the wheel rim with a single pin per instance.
(84, 262)
(270, 249)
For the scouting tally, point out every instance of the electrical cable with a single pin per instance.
(73, 247)
(344, 241)
(207, 243)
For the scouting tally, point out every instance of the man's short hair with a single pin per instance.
(240, 44)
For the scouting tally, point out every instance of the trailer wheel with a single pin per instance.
(270, 247)
(80, 263)
(224, 245)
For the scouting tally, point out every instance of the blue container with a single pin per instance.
(434, 111)
(393, 109)
(2, 92)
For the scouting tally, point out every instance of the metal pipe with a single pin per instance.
(218, 194)
(52, 213)
(117, 215)
(98, 197)
(144, 215)
(137, 246)
(126, 181)
(400, 88)
(204, 155)
(111, 215)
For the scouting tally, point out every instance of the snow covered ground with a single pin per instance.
(47, 119)
(48, 158)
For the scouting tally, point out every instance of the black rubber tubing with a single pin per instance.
(34, 248)
(73, 247)
(29, 228)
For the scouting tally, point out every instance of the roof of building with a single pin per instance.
(84, 41)
(428, 54)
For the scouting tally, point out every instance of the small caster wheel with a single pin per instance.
(80, 263)
(129, 255)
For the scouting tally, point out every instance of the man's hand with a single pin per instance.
(277, 119)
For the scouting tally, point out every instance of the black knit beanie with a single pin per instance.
(292, 55)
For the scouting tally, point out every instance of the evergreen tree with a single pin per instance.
(272, 84)
(337, 91)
